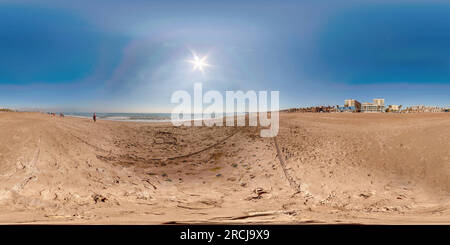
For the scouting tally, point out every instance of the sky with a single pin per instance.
(130, 56)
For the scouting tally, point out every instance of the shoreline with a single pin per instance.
(146, 120)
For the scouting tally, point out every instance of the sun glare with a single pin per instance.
(199, 63)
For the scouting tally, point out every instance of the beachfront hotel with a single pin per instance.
(354, 105)
(350, 105)
(376, 106)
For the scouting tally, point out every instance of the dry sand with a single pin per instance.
(335, 168)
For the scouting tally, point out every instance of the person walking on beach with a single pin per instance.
(94, 117)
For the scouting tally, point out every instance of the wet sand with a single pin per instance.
(332, 168)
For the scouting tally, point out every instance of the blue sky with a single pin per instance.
(130, 56)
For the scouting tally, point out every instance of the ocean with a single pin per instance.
(130, 117)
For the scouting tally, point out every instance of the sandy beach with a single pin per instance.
(332, 168)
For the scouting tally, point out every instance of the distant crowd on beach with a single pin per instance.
(53, 114)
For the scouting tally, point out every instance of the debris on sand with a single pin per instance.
(257, 194)
(99, 198)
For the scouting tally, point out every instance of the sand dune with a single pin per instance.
(334, 168)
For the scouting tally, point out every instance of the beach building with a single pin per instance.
(394, 108)
(354, 105)
(422, 109)
(350, 105)
(316, 109)
(376, 106)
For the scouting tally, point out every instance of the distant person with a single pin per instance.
(94, 117)
(61, 114)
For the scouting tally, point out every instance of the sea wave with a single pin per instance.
(136, 117)
(130, 117)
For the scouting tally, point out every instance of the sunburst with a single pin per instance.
(199, 63)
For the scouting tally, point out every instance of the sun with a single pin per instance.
(199, 63)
